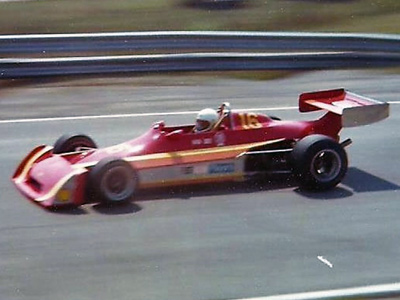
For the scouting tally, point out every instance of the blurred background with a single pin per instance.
(66, 16)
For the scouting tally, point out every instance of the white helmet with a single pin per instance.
(206, 119)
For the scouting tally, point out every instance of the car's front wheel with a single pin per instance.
(319, 162)
(73, 142)
(112, 181)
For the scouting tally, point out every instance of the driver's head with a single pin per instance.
(206, 119)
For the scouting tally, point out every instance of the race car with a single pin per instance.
(238, 146)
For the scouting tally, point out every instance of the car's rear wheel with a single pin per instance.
(73, 142)
(319, 162)
(112, 181)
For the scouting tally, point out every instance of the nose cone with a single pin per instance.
(49, 181)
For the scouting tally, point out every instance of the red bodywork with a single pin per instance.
(60, 179)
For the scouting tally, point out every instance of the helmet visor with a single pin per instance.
(202, 125)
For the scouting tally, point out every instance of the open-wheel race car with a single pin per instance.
(236, 147)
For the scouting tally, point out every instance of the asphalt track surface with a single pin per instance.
(209, 242)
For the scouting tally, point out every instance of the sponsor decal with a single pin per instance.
(196, 142)
(222, 168)
(219, 139)
(195, 170)
(208, 141)
(205, 141)
(123, 147)
(187, 170)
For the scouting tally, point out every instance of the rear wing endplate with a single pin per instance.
(356, 110)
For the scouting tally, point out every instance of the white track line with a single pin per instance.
(325, 261)
(116, 116)
(367, 292)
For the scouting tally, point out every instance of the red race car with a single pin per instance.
(222, 146)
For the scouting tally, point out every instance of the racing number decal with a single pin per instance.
(249, 121)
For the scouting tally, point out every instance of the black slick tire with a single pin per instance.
(319, 162)
(112, 181)
(72, 142)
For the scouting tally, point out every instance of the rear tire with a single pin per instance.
(73, 142)
(319, 162)
(112, 181)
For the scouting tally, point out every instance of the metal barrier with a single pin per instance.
(23, 68)
(366, 51)
(197, 40)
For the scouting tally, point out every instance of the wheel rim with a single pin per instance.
(326, 165)
(118, 184)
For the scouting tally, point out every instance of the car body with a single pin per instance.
(242, 144)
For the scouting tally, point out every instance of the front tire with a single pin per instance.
(73, 142)
(319, 162)
(112, 181)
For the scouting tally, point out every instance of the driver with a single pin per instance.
(206, 119)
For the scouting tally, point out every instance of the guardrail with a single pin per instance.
(22, 68)
(199, 40)
(367, 51)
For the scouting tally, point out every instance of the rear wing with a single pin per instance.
(356, 110)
